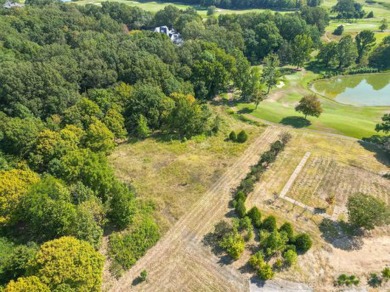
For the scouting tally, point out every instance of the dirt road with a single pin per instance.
(180, 259)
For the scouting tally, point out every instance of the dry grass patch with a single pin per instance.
(174, 174)
(338, 166)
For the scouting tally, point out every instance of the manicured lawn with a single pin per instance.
(154, 6)
(348, 120)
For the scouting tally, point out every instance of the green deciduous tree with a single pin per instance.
(348, 9)
(301, 48)
(188, 117)
(122, 206)
(385, 125)
(271, 74)
(27, 284)
(150, 102)
(303, 242)
(233, 243)
(365, 40)
(367, 212)
(269, 224)
(255, 216)
(309, 105)
(14, 185)
(288, 229)
(378, 57)
(69, 261)
(242, 136)
(274, 242)
(99, 138)
(328, 54)
(346, 52)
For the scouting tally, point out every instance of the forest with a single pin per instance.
(78, 80)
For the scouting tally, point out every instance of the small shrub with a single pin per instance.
(344, 280)
(303, 242)
(268, 157)
(240, 208)
(265, 272)
(240, 196)
(233, 136)
(288, 229)
(374, 280)
(290, 257)
(249, 235)
(339, 30)
(386, 274)
(277, 146)
(143, 276)
(269, 224)
(247, 185)
(245, 223)
(242, 137)
(255, 216)
(233, 243)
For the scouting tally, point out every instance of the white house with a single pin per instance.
(172, 34)
(10, 4)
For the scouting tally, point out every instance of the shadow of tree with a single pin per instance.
(288, 71)
(374, 144)
(212, 239)
(257, 281)
(341, 234)
(296, 122)
(137, 281)
(246, 268)
(245, 110)
(225, 260)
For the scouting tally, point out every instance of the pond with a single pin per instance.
(361, 90)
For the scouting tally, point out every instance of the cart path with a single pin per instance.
(180, 259)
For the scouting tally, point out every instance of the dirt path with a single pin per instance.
(180, 259)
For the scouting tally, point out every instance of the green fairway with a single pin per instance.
(348, 120)
(154, 6)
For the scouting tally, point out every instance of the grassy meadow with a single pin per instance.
(175, 174)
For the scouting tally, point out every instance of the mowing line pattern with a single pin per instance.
(180, 259)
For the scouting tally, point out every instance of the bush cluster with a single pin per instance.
(241, 137)
(345, 280)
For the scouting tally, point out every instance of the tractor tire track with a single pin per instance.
(182, 242)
